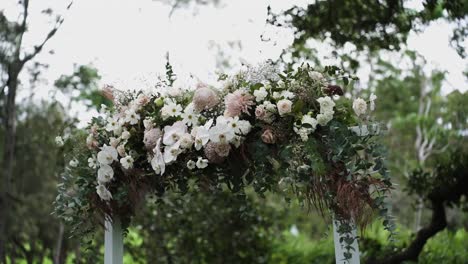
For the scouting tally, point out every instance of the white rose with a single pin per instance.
(359, 106)
(284, 106)
(287, 94)
(260, 94)
(324, 118)
(326, 104)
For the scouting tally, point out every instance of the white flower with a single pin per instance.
(105, 173)
(189, 116)
(59, 141)
(112, 124)
(173, 133)
(92, 162)
(372, 99)
(326, 104)
(107, 155)
(316, 76)
(260, 94)
(276, 95)
(103, 108)
(324, 118)
(191, 164)
(202, 134)
(304, 132)
(287, 94)
(121, 150)
(103, 193)
(201, 163)
(359, 106)
(157, 163)
(127, 162)
(131, 117)
(171, 153)
(221, 133)
(236, 141)
(114, 141)
(284, 106)
(125, 135)
(89, 140)
(269, 106)
(74, 163)
(186, 141)
(307, 119)
(148, 124)
(171, 109)
(244, 126)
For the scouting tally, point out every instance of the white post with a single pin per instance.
(113, 242)
(340, 247)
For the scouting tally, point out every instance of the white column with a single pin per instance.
(113, 242)
(340, 247)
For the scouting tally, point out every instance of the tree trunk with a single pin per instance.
(411, 253)
(8, 154)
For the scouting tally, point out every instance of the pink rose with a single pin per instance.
(260, 112)
(268, 137)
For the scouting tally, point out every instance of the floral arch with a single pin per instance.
(293, 132)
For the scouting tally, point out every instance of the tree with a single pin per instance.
(33, 234)
(423, 125)
(12, 61)
(370, 25)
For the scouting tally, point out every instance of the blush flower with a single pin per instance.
(237, 103)
(284, 106)
(268, 137)
(204, 98)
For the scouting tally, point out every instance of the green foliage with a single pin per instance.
(302, 250)
(82, 86)
(447, 246)
(202, 228)
(370, 25)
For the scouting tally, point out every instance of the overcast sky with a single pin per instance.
(128, 39)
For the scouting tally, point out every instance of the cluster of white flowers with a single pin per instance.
(360, 105)
(178, 138)
(261, 73)
(309, 124)
(105, 174)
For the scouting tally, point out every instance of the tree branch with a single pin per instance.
(51, 33)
